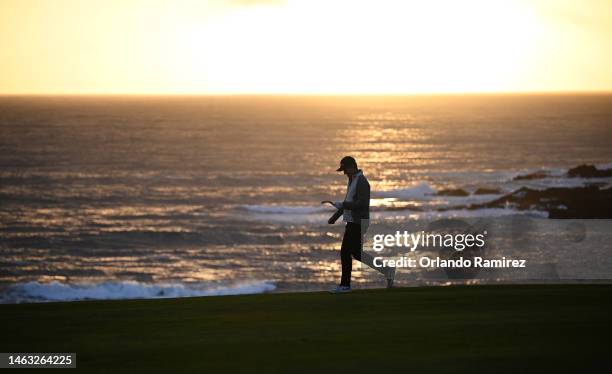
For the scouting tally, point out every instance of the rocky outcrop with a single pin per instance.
(452, 192)
(559, 202)
(487, 191)
(530, 176)
(588, 171)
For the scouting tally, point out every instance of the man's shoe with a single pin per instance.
(341, 289)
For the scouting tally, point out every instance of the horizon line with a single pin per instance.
(440, 93)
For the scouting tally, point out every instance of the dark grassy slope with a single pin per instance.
(543, 328)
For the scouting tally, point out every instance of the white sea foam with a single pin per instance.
(557, 177)
(401, 214)
(420, 191)
(464, 200)
(563, 182)
(287, 214)
(457, 213)
(424, 192)
(547, 173)
(56, 291)
(604, 166)
(285, 209)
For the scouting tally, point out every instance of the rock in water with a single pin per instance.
(588, 171)
(560, 202)
(452, 192)
(487, 191)
(530, 176)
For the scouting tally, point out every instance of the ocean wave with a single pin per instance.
(429, 206)
(285, 209)
(549, 172)
(460, 213)
(560, 176)
(560, 182)
(418, 192)
(463, 200)
(390, 213)
(424, 192)
(56, 291)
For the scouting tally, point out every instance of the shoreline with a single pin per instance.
(280, 288)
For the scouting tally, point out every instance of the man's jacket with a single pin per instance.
(359, 207)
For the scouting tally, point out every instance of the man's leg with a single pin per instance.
(351, 247)
(387, 271)
(357, 245)
(368, 259)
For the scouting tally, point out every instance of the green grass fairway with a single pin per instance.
(467, 329)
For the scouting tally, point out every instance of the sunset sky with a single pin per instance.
(304, 46)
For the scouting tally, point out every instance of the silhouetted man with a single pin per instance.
(356, 213)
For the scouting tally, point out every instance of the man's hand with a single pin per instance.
(337, 204)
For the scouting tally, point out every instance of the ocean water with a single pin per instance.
(110, 197)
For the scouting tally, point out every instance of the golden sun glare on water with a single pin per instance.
(303, 46)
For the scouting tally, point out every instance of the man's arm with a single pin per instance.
(363, 196)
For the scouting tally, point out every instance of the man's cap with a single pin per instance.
(346, 162)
